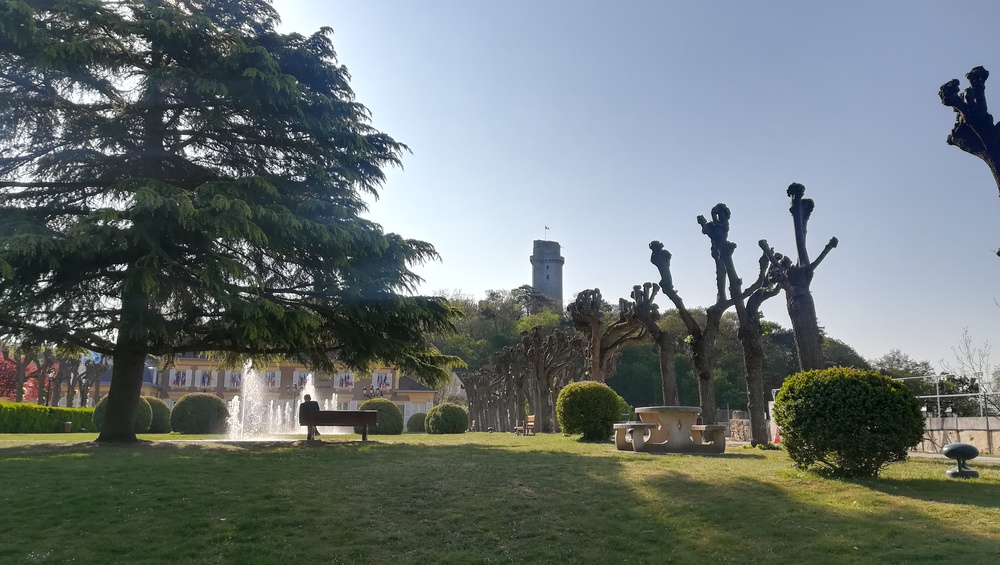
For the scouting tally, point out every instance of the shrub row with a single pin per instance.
(203, 414)
(23, 418)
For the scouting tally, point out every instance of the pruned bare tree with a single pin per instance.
(545, 356)
(513, 365)
(44, 359)
(702, 337)
(748, 314)
(647, 313)
(22, 359)
(91, 377)
(605, 340)
(796, 278)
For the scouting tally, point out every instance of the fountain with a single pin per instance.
(252, 416)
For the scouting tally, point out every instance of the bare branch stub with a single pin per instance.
(974, 131)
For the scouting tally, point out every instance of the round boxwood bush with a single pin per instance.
(416, 423)
(199, 413)
(142, 419)
(589, 408)
(848, 422)
(390, 419)
(446, 418)
(160, 423)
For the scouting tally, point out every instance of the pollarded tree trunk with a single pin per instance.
(648, 314)
(749, 331)
(805, 327)
(21, 362)
(605, 340)
(795, 279)
(702, 338)
(667, 351)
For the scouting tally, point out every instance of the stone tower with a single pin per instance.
(546, 270)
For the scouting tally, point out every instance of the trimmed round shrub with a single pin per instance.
(589, 408)
(416, 423)
(390, 419)
(199, 413)
(142, 419)
(160, 423)
(847, 422)
(446, 418)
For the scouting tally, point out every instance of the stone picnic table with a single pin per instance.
(669, 429)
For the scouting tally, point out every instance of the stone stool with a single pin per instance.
(961, 452)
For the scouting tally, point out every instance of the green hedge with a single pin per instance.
(160, 424)
(142, 419)
(389, 420)
(849, 422)
(416, 423)
(446, 418)
(589, 408)
(24, 418)
(199, 413)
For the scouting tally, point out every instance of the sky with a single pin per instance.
(618, 123)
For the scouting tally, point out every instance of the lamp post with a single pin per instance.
(372, 392)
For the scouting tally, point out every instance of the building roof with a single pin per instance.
(148, 375)
(410, 385)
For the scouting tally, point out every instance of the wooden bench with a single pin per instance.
(363, 418)
(527, 426)
(714, 433)
(631, 436)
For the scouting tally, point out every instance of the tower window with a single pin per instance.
(546, 277)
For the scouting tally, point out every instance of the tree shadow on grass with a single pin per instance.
(751, 520)
(475, 502)
(953, 491)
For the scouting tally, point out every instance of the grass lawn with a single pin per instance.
(473, 498)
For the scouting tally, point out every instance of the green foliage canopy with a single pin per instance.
(180, 176)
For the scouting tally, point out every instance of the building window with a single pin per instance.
(343, 380)
(300, 378)
(382, 381)
(207, 379)
(233, 379)
(181, 378)
(272, 379)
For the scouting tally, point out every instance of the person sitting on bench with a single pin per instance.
(309, 405)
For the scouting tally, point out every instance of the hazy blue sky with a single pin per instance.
(616, 123)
